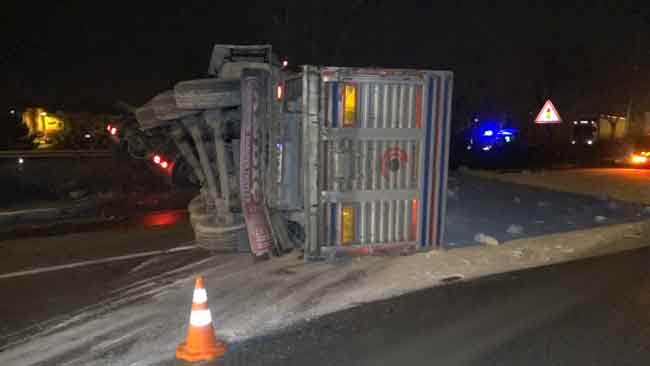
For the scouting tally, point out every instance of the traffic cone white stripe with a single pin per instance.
(200, 296)
(200, 318)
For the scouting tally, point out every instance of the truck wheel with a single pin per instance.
(165, 108)
(207, 93)
(147, 117)
(221, 238)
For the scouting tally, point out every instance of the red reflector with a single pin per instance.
(164, 164)
(156, 159)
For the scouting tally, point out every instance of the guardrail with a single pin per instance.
(14, 154)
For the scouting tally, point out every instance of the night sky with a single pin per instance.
(507, 56)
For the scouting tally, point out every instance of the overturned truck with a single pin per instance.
(325, 159)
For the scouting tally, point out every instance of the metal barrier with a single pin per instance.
(13, 154)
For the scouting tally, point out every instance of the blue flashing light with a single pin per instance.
(488, 133)
(507, 132)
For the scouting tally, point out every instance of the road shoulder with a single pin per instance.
(248, 300)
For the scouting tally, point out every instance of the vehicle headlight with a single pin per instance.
(638, 159)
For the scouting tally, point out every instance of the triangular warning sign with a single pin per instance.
(548, 114)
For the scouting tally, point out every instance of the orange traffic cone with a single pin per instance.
(201, 343)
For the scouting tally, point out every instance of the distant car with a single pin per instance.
(640, 154)
(488, 146)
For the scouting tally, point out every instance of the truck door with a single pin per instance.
(381, 158)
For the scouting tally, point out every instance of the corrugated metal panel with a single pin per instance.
(371, 167)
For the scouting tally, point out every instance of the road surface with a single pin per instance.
(494, 205)
(469, 323)
(591, 312)
(52, 274)
(625, 184)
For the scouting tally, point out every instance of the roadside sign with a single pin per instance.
(548, 114)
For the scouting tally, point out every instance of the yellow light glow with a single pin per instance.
(347, 225)
(638, 159)
(349, 105)
(278, 92)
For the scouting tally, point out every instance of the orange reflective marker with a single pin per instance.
(201, 343)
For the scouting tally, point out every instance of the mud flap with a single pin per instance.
(255, 112)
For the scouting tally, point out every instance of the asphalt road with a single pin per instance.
(570, 314)
(32, 301)
(590, 312)
(490, 206)
(621, 183)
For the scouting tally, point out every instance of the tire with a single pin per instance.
(147, 117)
(221, 238)
(164, 106)
(208, 93)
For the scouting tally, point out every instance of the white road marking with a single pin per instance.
(96, 261)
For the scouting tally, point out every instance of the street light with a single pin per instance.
(43, 114)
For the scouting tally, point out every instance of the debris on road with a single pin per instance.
(452, 278)
(486, 239)
(515, 230)
(517, 253)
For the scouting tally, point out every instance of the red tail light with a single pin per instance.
(113, 131)
(164, 164)
(156, 159)
(109, 127)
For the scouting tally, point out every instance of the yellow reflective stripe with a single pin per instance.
(349, 105)
(347, 225)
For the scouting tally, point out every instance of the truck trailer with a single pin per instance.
(325, 159)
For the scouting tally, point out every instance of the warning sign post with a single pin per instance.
(548, 114)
